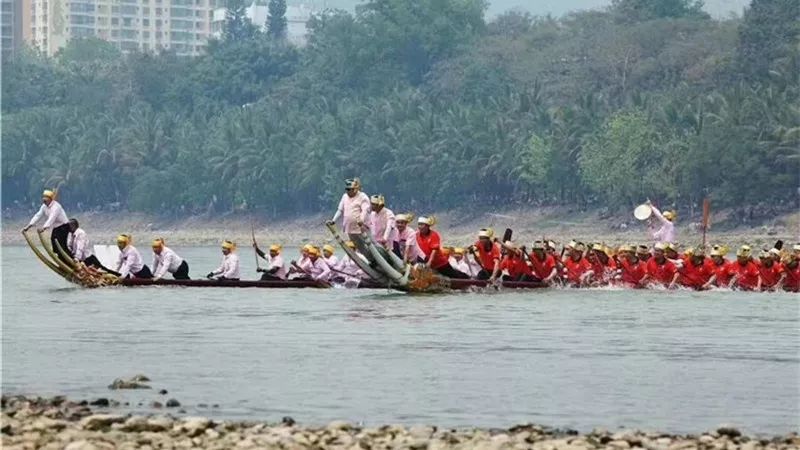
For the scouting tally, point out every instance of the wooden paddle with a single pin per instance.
(706, 217)
(255, 246)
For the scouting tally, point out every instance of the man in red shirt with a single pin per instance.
(746, 274)
(430, 244)
(643, 253)
(543, 263)
(792, 269)
(515, 264)
(604, 268)
(488, 255)
(771, 270)
(723, 269)
(578, 270)
(698, 272)
(631, 269)
(660, 270)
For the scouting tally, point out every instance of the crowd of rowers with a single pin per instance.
(489, 258)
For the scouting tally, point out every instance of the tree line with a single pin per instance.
(429, 103)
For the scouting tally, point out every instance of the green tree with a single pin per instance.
(768, 38)
(238, 26)
(276, 20)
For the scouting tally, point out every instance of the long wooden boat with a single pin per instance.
(424, 280)
(458, 285)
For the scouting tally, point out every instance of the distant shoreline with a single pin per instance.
(457, 228)
(59, 423)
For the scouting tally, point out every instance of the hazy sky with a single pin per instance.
(717, 8)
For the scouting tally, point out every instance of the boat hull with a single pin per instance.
(458, 285)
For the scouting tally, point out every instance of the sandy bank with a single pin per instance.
(57, 423)
(457, 228)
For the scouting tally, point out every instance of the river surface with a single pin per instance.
(671, 361)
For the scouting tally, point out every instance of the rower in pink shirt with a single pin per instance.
(405, 239)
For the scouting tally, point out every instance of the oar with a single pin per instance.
(706, 215)
(255, 246)
(344, 273)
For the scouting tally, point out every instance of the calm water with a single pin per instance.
(675, 361)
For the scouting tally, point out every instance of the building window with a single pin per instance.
(146, 22)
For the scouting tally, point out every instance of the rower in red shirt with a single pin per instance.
(430, 244)
(746, 274)
(604, 267)
(577, 270)
(488, 255)
(660, 270)
(515, 264)
(631, 269)
(543, 264)
(697, 272)
(792, 270)
(723, 269)
(771, 270)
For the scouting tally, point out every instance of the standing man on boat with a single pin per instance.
(354, 208)
(129, 262)
(165, 260)
(382, 223)
(662, 225)
(276, 269)
(229, 268)
(55, 220)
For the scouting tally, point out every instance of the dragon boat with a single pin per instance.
(384, 269)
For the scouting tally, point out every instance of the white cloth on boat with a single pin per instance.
(462, 265)
(129, 261)
(229, 268)
(382, 226)
(167, 261)
(78, 244)
(352, 210)
(53, 212)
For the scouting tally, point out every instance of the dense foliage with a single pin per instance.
(428, 103)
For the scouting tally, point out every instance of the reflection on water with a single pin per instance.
(678, 361)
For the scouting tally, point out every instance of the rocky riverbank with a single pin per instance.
(58, 423)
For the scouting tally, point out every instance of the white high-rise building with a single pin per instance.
(297, 17)
(182, 26)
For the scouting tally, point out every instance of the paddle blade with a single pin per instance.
(507, 234)
(779, 245)
(706, 211)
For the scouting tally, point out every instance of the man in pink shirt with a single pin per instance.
(354, 208)
(382, 223)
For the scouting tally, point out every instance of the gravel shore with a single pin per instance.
(58, 423)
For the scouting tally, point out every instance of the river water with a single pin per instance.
(672, 361)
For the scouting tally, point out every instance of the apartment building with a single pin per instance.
(296, 18)
(11, 26)
(182, 26)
